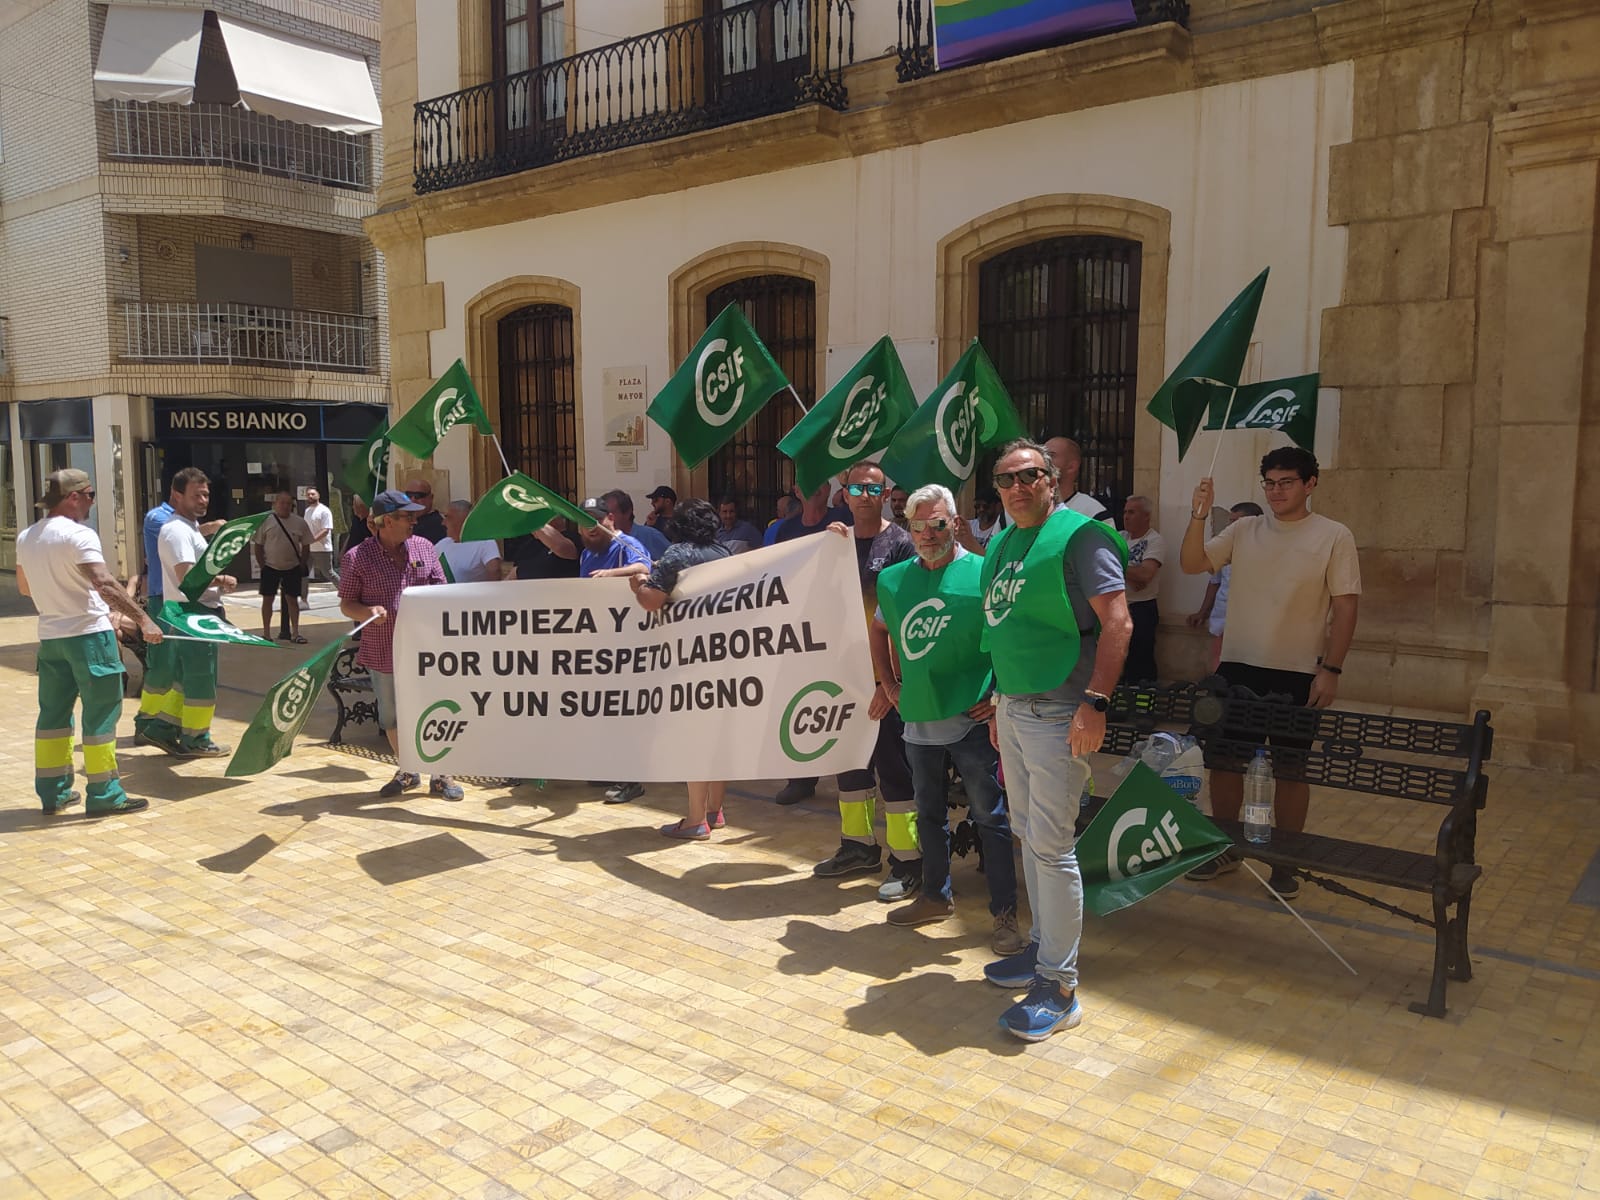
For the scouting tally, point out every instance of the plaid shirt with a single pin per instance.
(370, 577)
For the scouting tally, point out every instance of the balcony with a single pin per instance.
(915, 20)
(221, 135)
(752, 60)
(248, 335)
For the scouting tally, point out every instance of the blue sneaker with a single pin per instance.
(1041, 1012)
(1016, 971)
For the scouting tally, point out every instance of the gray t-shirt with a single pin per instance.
(1092, 568)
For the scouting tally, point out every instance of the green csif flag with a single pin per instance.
(518, 505)
(1218, 355)
(1286, 404)
(231, 538)
(283, 714)
(367, 473)
(451, 400)
(198, 621)
(724, 382)
(1145, 837)
(858, 417)
(969, 412)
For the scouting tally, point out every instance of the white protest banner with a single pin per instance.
(757, 668)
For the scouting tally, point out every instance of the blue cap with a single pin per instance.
(393, 501)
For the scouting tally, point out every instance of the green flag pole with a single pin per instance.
(1226, 417)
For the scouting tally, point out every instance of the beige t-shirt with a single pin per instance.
(1285, 574)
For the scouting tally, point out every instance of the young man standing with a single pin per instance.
(319, 520)
(1295, 587)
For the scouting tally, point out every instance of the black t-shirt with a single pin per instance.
(888, 546)
(534, 560)
(430, 525)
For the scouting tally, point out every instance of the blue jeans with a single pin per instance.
(1044, 783)
(986, 806)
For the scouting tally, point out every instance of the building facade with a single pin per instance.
(565, 209)
(184, 274)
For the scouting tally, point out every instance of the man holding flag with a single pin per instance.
(180, 679)
(1056, 627)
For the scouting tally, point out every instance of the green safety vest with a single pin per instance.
(935, 620)
(1029, 628)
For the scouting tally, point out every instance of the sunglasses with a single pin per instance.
(1027, 477)
(938, 525)
(89, 492)
(864, 489)
(419, 495)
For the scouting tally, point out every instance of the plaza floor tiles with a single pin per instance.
(284, 987)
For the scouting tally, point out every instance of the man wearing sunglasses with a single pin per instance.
(1056, 628)
(927, 648)
(879, 544)
(1292, 599)
(430, 522)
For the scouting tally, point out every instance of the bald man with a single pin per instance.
(1068, 458)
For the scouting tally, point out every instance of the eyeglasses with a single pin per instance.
(1280, 485)
(1027, 477)
(864, 489)
(938, 525)
(419, 495)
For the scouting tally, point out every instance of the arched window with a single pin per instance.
(1060, 319)
(783, 309)
(538, 395)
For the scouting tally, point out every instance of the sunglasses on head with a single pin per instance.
(938, 525)
(1028, 476)
(864, 489)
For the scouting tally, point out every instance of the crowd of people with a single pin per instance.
(1050, 607)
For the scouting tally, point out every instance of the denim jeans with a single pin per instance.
(1044, 784)
(986, 806)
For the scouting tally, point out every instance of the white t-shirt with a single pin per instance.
(982, 533)
(319, 519)
(468, 560)
(1086, 504)
(182, 542)
(50, 551)
(1285, 574)
(1151, 546)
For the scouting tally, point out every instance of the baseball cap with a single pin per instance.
(595, 507)
(58, 485)
(663, 493)
(393, 501)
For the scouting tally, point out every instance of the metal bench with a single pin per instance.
(353, 692)
(1402, 758)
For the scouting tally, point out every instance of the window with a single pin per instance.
(1060, 319)
(538, 396)
(750, 468)
(527, 34)
(756, 46)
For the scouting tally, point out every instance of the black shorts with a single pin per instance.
(1265, 681)
(275, 582)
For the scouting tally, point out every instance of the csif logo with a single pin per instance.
(921, 627)
(449, 410)
(218, 628)
(812, 720)
(719, 374)
(858, 420)
(960, 425)
(378, 458)
(436, 735)
(227, 544)
(520, 498)
(293, 701)
(1160, 843)
(1002, 593)
(1272, 410)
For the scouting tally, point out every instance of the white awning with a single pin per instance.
(148, 54)
(295, 80)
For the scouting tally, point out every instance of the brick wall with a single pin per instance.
(52, 287)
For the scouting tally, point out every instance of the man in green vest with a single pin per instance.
(1056, 627)
(927, 648)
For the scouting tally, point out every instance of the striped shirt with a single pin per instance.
(371, 577)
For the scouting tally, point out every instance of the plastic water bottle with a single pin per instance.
(1258, 789)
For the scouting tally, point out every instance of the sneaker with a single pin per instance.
(1006, 940)
(924, 910)
(206, 749)
(1285, 883)
(905, 881)
(128, 805)
(1020, 970)
(1043, 1011)
(403, 781)
(1223, 864)
(622, 793)
(446, 787)
(141, 738)
(66, 802)
(853, 858)
(795, 791)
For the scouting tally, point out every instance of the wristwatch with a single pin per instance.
(1096, 700)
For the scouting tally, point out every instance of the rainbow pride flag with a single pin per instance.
(967, 31)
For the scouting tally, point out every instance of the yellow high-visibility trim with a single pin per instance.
(901, 831)
(52, 753)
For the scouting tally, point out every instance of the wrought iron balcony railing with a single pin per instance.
(915, 19)
(248, 335)
(224, 136)
(750, 60)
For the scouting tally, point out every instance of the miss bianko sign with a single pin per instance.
(758, 667)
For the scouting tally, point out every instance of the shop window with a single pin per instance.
(538, 395)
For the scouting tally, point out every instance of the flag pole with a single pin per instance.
(1297, 916)
(495, 438)
(797, 399)
(1226, 417)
